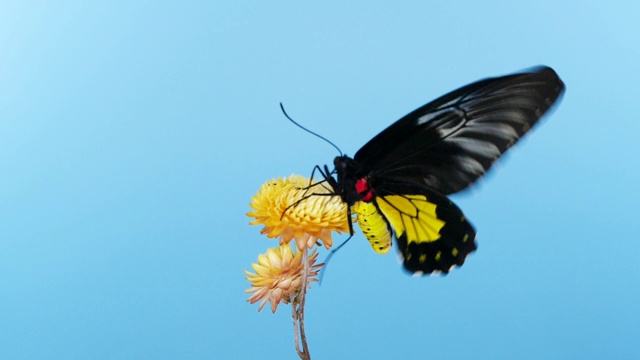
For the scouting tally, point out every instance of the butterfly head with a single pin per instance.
(349, 179)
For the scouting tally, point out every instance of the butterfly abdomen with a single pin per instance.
(374, 227)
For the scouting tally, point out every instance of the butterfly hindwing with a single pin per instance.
(456, 242)
(432, 233)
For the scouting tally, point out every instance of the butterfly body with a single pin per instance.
(397, 184)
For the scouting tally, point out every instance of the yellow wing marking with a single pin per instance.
(412, 215)
(373, 226)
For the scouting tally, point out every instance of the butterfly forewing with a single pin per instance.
(452, 141)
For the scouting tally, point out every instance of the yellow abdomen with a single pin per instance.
(374, 226)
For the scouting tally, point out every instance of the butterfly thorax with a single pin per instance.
(352, 184)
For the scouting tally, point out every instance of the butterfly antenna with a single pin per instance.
(307, 130)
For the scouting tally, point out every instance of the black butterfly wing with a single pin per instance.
(452, 141)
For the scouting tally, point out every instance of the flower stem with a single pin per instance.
(297, 309)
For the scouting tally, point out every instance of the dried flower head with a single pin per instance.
(279, 274)
(296, 208)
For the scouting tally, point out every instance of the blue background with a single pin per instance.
(133, 135)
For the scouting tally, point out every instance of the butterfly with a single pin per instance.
(397, 183)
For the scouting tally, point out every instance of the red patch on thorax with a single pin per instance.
(363, 189)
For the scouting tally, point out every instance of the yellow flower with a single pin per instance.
(278, 275)
(280, 205)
